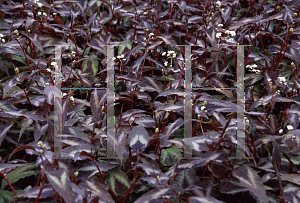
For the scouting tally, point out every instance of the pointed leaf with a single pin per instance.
(118, 181)
(232, 187)
(19, 173)
(226, 13)
(97, 189)
(138, 138)
(156, 193)
(61, 183)
(248, 177)
(3, 130)
(204, 200)
(288, 15)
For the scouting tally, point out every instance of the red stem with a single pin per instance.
(6, 179)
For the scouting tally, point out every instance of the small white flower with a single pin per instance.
(291, 30)
(156, 130)
(248, 66)
(44, 14)
(17, 70)
(295, 14)
(289, 127)
(232, 33)
(280, 131)
(1, 35)
(47, 84)
(164, 53)
(64, 94)
(231, 39)
(39, 4)
(220, 25)
(151, 34)
(166, 63)
(54, 14)
(71, 98)
(53, 63)
(40, 144)
(293, 64)
(219, 3)
(39, 13)
(281, 79)
(48, 69)
(218, 35)
(203, 107)
(73, 53)
(122, 56)
(3, 40)
(74, 61)
(254, 66)
(16, 31)
(227, 32)
(278, 92)
(269, 79)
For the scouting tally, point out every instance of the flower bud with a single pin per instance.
(156, 130)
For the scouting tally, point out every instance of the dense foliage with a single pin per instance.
(150, 101)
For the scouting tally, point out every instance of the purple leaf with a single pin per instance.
(138, 138)
(4, 129)
(61, 183)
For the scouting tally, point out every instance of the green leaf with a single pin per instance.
(118, 181)
(19, 173)
(87, 50)
(5, 196)
(95, 65)
(127, 43)
(170, 155)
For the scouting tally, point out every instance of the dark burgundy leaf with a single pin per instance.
(288, 15)
(226, 13)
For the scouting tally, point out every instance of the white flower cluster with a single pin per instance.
(53, 63)
(1, 35)
(252, 68)
(150, 35)
(48, 70)
(219, 34)
(282, 80)
(120, 57)
(171, 54)
(232, 33)
(16, 32)
(42, 13)
(40, 144)
(37, 3)
(218, 3)
(289, 127)
(71, 98)
(73, 53)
